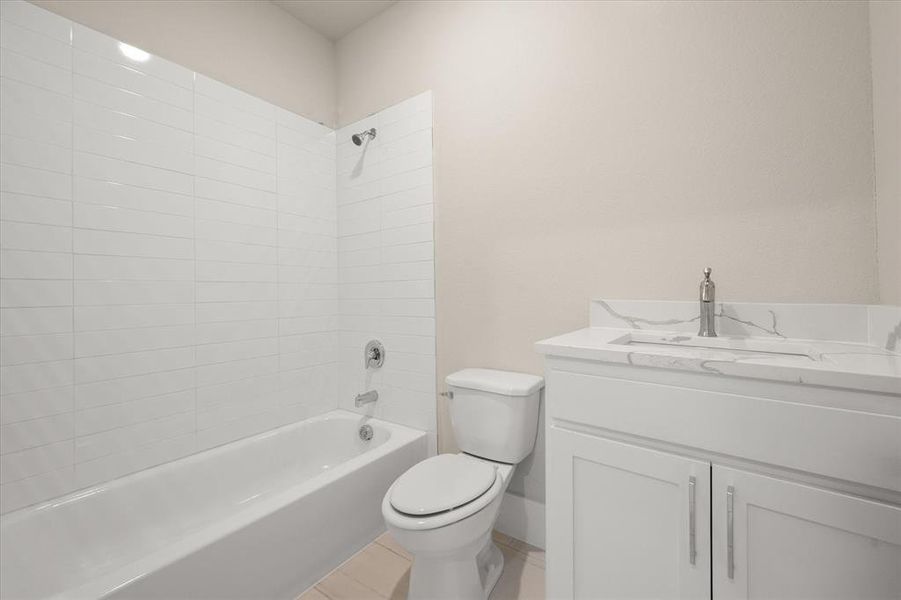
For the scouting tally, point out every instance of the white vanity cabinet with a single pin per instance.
(664, 484)
(791, 540)
(626, 521)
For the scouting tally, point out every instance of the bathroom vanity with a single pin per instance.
(764, 463)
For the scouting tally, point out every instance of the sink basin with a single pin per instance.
(736, 346)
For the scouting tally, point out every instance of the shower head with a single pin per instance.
(358, 137)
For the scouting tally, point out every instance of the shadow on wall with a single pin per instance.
(529, 476)
(361, 162)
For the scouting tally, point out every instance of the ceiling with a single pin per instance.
(334, 18)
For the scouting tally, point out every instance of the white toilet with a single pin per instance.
(443, 509)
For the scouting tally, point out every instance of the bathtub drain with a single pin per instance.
(366, 433)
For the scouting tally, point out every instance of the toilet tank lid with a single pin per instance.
(507, 383)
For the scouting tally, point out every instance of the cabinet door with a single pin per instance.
(625, 521)
(793, 541)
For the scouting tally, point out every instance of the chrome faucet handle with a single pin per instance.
(707, 288)
(707, 297)
(373, 355)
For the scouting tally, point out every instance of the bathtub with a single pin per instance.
(263, 517)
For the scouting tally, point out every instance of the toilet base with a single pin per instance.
(493, 566)
(469, 573)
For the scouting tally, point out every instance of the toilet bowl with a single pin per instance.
(443, 510)
(454, 555)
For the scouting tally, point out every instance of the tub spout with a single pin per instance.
(366, 398)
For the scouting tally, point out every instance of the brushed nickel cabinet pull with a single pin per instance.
(692, 521)
(730, 532)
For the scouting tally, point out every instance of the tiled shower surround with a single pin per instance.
(183, 264)
(386, 273)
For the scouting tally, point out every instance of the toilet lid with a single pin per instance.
(441, 483)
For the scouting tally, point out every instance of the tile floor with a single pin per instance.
(381, 571)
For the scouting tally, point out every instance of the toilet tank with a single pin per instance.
(494, 414)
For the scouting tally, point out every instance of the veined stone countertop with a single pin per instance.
(844, 346)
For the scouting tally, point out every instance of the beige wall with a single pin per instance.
(603, 149)
(885, 40)
(252, 45)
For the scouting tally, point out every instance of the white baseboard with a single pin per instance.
(522, 518)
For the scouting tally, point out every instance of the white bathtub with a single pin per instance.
(263, 517)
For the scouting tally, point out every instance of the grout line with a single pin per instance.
(72, 238)
(37, 60)
(390, 549)
(157, 168)
(345, 573)
(116, 86)
(278, 266)
(44, 170)
(39, 142)
(39, 32)
(271, 118)
(235, 145)
(165, 80)
(175, 131)
(103, 106)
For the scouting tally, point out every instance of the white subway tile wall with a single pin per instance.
(171, 272)
(37, 373)
(386, 263)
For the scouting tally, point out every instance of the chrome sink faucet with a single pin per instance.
(707, 296)
(366, 398)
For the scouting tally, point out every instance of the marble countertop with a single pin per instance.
(840, 346)
(833, 364)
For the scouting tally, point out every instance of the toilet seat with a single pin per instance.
(440, 484)
(411, 522)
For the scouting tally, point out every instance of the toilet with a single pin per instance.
(443, 509)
